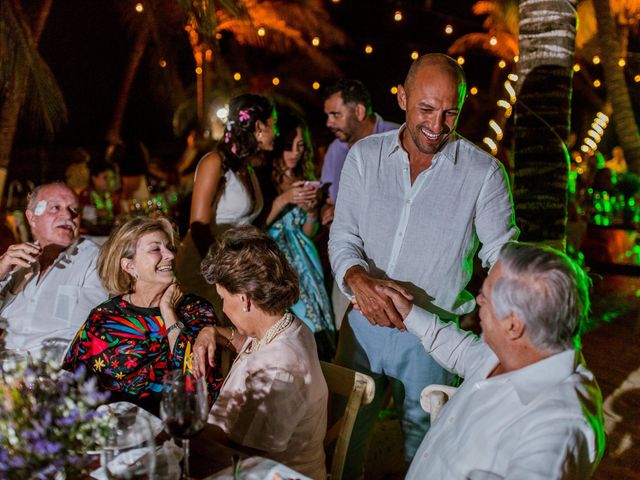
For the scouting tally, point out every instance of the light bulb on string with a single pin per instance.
(368, 49)
(448, 29)
(139, 7)
(397, 16)
(315, 41)
(315, 85)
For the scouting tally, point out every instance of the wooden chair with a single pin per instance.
(359, 389)
(433, 398)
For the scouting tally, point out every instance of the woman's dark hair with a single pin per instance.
(96, 167)
(239, 140)
(288, 122)
(247, 260)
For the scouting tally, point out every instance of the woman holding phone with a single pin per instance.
(292, 223)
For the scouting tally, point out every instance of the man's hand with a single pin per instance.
(19, 255)
(400, 301)
(375, 304)
(327, 212)
(204, 350)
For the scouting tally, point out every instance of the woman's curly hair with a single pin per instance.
(239, 140)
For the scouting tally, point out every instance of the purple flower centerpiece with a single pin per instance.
(48, 422)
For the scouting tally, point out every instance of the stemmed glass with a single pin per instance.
(184, 408)
(129, 451)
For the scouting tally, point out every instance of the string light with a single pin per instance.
(508, 110)
(511, 91)
(596, 60)
(368, 49)
(636, 79)
(597, 83)
(397, 16)
(315, 85)
(576, 68)
(622, 62)
(139, 7)
(162, 63)
(515, 59)
(473, 90)
(448, 29)
(414, 55)
(602, 117)
(394, 90)
(594, 135)
(275, 81)
(198, 70)
(262, 32)
(461, 60)
(335, 1)
(502, 64)
(590, 143)
(496, 128)
(237, 76)
(218, 36)
(491, 144)
(493, 41)
(315, 41)
(578, 159)
(597, 128)
(513, 77)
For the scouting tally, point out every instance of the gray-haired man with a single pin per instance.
(48, 286)
(528, 406)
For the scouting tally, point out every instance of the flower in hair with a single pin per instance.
(243, 115)
(227, 137)
(234, 149)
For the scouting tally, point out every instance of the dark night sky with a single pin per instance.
(86, 47)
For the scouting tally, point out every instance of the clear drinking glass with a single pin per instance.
(184, 408)
(13, 362)
(129, 451)
(53, 350)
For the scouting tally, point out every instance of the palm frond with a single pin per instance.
(21, 62)
(506, 47)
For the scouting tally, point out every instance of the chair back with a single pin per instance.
(433, 398)
(359, 389)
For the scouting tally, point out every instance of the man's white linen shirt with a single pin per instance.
(423, 236)
(55, 305)
(540, 422)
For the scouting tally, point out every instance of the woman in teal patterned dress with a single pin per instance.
(149, 327)
(292, 223)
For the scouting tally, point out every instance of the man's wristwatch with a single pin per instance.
(179, 325)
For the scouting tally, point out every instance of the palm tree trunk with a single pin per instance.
(139, 46)
(16, 90)
(547, 45)
(617, 91)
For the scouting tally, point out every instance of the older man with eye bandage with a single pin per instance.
(48, 286)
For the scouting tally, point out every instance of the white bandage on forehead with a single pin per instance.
(41, 206)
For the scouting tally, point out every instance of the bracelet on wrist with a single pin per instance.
(178, 325)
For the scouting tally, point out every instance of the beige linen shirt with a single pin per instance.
(275, 400)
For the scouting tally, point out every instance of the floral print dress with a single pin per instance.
(127, 349)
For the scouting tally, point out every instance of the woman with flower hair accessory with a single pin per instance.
(226, 191)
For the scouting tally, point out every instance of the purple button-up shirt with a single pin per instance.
(337, 154)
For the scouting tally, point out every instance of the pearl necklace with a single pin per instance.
(275, 330)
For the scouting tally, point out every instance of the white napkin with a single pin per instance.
(259, 468)
(168, 458)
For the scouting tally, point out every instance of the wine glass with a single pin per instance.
(13, 362)
(129, 450)
(53, 350)
(184, 408)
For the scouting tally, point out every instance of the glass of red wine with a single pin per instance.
(184, 408)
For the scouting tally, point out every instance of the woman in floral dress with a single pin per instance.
(149, 327)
